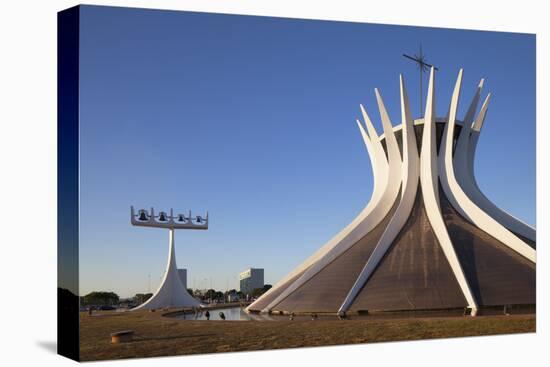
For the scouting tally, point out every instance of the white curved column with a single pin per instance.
(171, 292)
(372, 215)
(380, 169)
(474, 137)
(430, 193)
(464, 169)
(459, 200)
(460, 154)
(409, 177)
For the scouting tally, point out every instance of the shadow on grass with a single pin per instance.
(49, 345)
(138, 339)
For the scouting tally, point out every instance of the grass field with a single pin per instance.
(157, 335)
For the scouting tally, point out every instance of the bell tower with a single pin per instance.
(171, 292)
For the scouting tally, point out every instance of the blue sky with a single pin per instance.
(253, 119)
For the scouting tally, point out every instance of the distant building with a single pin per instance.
(183, 277)
(251, 279)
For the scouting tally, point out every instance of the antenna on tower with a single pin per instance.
(423, 67)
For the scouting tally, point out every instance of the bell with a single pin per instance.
(199, 219)
(181, 218)
(162, 217)
(143, 215)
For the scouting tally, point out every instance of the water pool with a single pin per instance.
(231, 313)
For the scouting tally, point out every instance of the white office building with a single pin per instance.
(182, 273)
(251, 279)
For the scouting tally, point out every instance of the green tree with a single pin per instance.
(197, 293)
(140, 298)
(259, 291)
(256, 292)
(210, 294)
(101, 299)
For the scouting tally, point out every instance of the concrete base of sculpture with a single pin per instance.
(171, 293)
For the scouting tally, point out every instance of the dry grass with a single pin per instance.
(156, 335)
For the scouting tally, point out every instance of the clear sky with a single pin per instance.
(253, 119)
